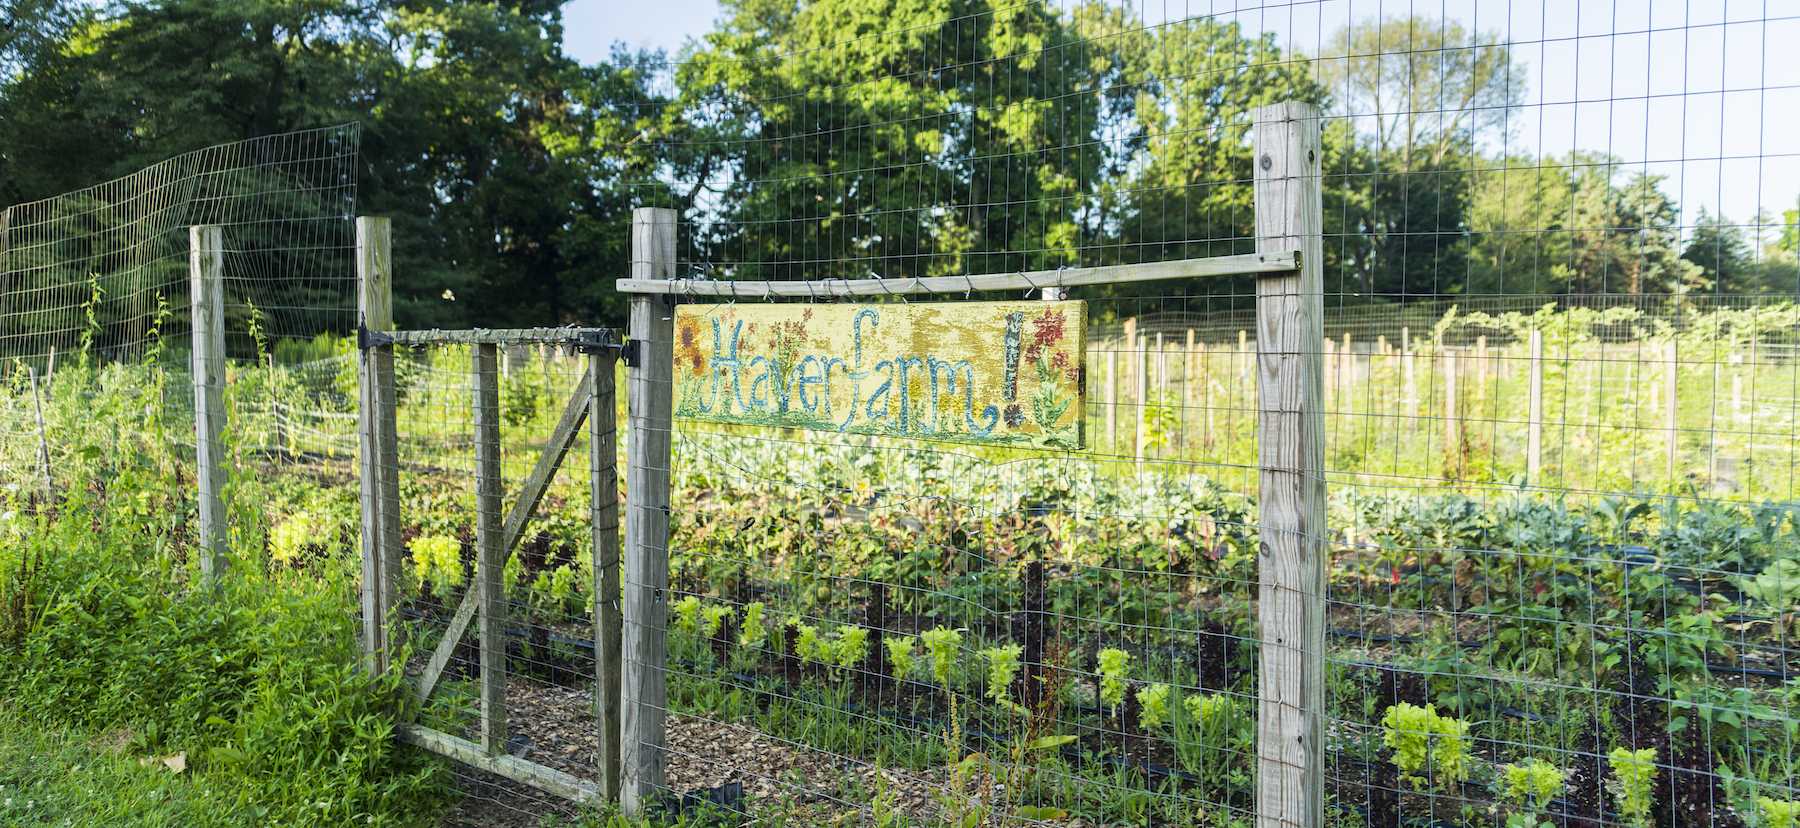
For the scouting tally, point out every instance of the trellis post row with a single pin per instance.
(630, 616)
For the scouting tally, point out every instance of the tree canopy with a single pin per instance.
(843, 138)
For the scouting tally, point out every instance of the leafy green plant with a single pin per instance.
(1634, 772)
(849, 648)
(1214, 736)
(436, 558)
(900, 655)
(752, 634)
(1003, 662)
(1114, 667)
(1428, 748)
(806, 645)
(687, 614)
(1777, 813)
(711, 617)
(1530, 786)
(1153, 707)
(941, 642)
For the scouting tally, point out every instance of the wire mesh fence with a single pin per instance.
(1556, 411)
(95, 326)
(1556, 407)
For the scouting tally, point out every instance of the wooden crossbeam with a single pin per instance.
(573, 417)
(1249, 263)
(549, 780)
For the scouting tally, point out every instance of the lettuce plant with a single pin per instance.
(1153, 707)
(1634, 773)
(900, 655)
(1003, 662)
(752, 635)
(942, 642)
(1114, 665)
(1422, 740)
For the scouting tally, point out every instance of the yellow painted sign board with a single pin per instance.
(1006, 373)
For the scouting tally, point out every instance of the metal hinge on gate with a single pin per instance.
(628, 351)
(366, 339)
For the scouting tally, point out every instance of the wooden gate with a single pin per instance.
(498, 527)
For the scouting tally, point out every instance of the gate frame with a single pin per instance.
(591, 402)
(1290, 390)
(633, 694)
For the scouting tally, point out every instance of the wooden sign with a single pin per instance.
(1007, 373)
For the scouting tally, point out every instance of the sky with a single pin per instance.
(1705, 92)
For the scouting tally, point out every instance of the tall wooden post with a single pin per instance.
(651, 401)
(206, 282)
(1141, 373)
(1112, 396)
(491, 550)
(1290, 382)
(1452, 426)
(43, 440)
(603, 476)
(1534, 437)
(378, 463)
(1671, 406)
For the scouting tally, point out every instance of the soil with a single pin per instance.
(784, 783)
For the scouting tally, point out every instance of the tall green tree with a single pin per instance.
(478, 131)
(1518, 221)
(909, 138)
(1417, 93)
(1721, 250)
(1181, 137)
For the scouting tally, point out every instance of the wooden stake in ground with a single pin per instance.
(490, 567)
(603, 481)
(206, 280)
(651, 399)
(1671, 405)
(37, 404)
(1290, 339)
(1112, 395)
(1452, 424)
(1534, 414)
(1141, 364)
(377, 433)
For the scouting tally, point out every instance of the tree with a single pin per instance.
(1518, 214)
(1719, 248)
(479, 134)
(902, 139)
(1183, 138)
(1425, 84)
(1417, 92)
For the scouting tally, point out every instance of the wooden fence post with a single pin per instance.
(1452, 428)
(651, 401)
(206, 282)
(491, 550)
(603, 476)
(1411, 390)
(1141, 364)
(1534, 439)
(379, 466)
(43, 440)
(1671, 405)
(1112, 396)
(1290, 342)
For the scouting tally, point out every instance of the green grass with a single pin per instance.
(56, 776)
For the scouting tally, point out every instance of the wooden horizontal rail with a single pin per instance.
(1072, 277)
(548, 780)
(486, 336)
